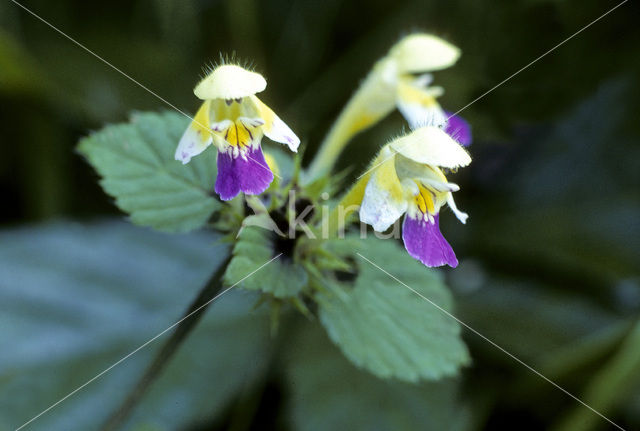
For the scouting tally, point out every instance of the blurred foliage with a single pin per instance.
(551, 267)
(76, 298)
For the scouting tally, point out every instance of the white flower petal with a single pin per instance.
(423, 53)
(418, 105)
(420, 116)
(253, 122)
(384, 199)
(197, 137)
(274, 128)
(440, 186)
(423, 80)
(280, 132)
(230, 82)
(429, 176)
(219, 126)
(191, 144)
(462, 216)
(379, 209)
(432, 146)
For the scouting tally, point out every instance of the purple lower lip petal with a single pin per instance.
(249, 174)
(458, 128)
(424, 241)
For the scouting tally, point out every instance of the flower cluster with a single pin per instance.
(406, 178)
(234, 120)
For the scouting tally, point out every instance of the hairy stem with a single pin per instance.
(334, 225)
(212, 288)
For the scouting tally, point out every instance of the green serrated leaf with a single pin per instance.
(137, 167)
(281, 278)
(329, 393)
(383, 326)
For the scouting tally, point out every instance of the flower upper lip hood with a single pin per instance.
(421, 52)
(230, 82)
(432, 146)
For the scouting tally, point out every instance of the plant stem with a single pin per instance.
(170, 347)
(576, 356)
(371, 102)
(330, 148)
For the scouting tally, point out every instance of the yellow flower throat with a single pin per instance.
(241, 130)
(238, 134)
(424, 200)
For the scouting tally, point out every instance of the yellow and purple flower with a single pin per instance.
(400, 80)
(408, 180)
(234, 120)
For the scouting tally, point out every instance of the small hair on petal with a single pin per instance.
(225, 58)
(229, 81)
(458, 128)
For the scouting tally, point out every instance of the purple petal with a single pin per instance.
(249, 174)
(424, 242)
(458, 128)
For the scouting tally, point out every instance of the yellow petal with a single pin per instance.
(424, 52)
(197, 137)
(427, 197)
(230, 82)
(418, 105)
(274, 127)
(431, 146)
(271, 162)
(384, 199)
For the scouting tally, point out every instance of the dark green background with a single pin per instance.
(551, 252)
